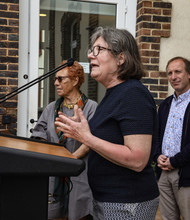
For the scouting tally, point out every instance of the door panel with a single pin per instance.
(62, 31)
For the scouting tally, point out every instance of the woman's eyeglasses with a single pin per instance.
(60, 78)
(96, 50)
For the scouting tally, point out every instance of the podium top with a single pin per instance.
(24, 156)
(28, 144)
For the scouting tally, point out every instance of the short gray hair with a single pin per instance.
(122, 41)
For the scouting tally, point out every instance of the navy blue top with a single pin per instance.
(127, 108)
(182, 159)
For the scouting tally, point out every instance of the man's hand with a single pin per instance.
(164, 163)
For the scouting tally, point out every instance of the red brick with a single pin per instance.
(167, 12)
(145, 46)
(145, 60)
(13, 8)
(155, 46)
(151, 11)
(163, 74)
(166, 26)
(163, 95)
(147, 3)
(163, 81)
(150, 53)
(155, 74)
(161, 33)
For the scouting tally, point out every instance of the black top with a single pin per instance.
(126, 109)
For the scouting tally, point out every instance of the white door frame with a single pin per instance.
(130, 16)
(29, 52)
(28, 64)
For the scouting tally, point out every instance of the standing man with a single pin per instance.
(173, 149)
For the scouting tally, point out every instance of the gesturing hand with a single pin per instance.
(75, 117)
(75, 127)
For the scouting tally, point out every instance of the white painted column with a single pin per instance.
(28, 64)
(130, 19)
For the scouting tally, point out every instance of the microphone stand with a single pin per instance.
(70, 62)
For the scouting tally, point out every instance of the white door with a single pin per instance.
(53, 30)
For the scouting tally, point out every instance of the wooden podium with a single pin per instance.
(25, 167)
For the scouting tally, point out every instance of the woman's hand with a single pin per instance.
(81, 152)
(75, 117)
(75, 127)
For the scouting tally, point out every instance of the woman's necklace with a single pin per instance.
(70, 106)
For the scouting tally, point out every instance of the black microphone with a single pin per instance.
(69, 62)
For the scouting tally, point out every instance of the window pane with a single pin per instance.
(65, 29)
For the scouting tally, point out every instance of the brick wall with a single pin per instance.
(9, 28)
(153, 23)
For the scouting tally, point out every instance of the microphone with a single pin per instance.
(69, 62)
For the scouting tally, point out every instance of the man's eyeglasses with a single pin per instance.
(60, 78)
(96, 50)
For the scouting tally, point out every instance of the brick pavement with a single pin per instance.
(158, 216)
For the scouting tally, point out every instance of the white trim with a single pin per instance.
(22, 113)
(33, 61)
(28, 64)
(130, 19)
(120, 15)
